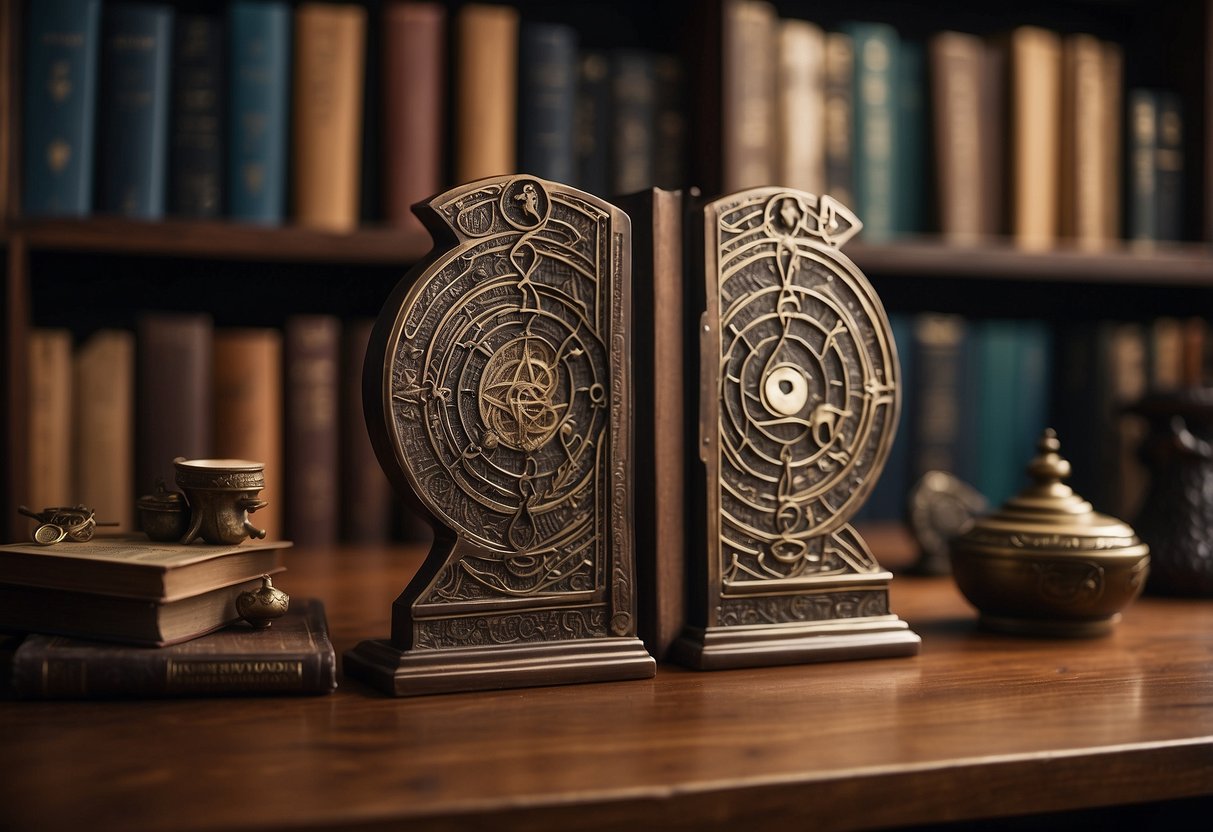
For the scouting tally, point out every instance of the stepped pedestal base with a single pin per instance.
(417, 672)
(720, 648)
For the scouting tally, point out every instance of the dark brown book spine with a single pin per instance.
(366, 494)
(313, 349)
(414, 92)
(657, 349)
(293, 656)
(172, 393)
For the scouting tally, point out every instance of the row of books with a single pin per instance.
(107, 418)
(978, 394)
(261, 114)
(1021, 134)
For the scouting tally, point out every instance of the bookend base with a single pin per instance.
(723, 648)
(399, 672)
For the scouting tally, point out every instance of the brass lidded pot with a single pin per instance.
(1046, 563)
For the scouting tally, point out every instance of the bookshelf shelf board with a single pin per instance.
(1175, 264)
(223, 241)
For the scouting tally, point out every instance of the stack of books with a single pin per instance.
(124, 617)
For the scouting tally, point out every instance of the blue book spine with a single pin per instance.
(1035, 371)
(259, 97)
(60, 106)
(135, 53)
(888, 498)
(196, 132)
(547, 58)
(876, 127)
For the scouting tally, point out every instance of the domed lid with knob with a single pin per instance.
(1047, 517)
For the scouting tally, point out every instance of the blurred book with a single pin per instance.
(749, 63)
(326, 135)
(634, 117)
(414, 107)
(365, 493)
(293, 656)
(1035, 112)
(132, 156)
(49, 414)
(103, 430)
(485, 71)
(839, 117)
(312, 350)
(259, 88)
(547, 96)
(61, 69)
(801, 111)
(196, 128)
(875, 149)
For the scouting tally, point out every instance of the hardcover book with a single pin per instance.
(259, 81)
(547, 92)
(133, 567)
(60, 106)
(294, 656)
(133, 155)
(414, 106)
(49, 406)
(1035, 107)
(330, 50)
(196, 130)
(104, 426)
(634, 115)
(592, 123)
(839, 116)
(248, 410)
(312, 498)
(173, 357)
(749, 56)
(486, 90)
(127, 620)
(801, 111)
(366, 494)
(875, 139)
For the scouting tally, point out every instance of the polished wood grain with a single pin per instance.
(977, 725)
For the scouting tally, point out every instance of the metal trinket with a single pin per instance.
(497, 400)
(261, 606)
(1046, 563)
(59, 523)
(798, 403)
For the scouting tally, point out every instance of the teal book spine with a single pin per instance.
(1034, 372)
(1169, 168)
(60, 107)
(133, 154)
(547, 95)
(259, 95)
(1000, 467)
(875, 128)
(911, 165)
(888, 498)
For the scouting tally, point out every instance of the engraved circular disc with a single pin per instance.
(49, 533)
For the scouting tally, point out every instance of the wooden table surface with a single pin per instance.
(978, 725)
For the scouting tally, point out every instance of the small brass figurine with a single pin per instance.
(260, 607)
(221, 494)
(165, 515)
(1046, 563)
(940, 507)
(58, 523)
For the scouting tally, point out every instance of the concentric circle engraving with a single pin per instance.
(807, 385)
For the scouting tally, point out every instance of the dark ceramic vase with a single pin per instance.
(1176, 518)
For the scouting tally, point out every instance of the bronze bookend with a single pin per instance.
(798, 403)
(497, 398)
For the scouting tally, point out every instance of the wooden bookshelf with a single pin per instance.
(977, 726)
(920, 274)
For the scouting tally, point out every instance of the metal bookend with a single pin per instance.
(497, 398)
(798, 403)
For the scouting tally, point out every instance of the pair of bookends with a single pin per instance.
(498, 399)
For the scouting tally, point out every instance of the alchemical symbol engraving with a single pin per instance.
(807, 384)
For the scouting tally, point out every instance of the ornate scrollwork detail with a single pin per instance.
(736, 612)
(520, 628)
(808, 389)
